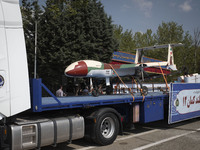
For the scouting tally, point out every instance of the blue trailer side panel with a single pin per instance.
(152, 109)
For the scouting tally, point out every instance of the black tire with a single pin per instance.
(106, 129)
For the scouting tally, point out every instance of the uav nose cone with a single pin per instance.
(77, 69)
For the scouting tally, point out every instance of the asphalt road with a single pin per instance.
(153, 136)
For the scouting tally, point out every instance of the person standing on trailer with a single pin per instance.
(59, 92)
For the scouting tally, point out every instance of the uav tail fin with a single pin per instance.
(138, 56)
(170, 60)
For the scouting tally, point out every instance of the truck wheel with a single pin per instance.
(106, 129)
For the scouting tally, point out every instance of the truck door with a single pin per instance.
(14, 80)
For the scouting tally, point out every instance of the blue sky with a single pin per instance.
(140, 15)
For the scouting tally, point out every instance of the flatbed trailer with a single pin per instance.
(40, 103)
(135, 108)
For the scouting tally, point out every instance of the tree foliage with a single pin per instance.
(71, 30)
(30, 14)
(196, 43)
(124, 39)
(68, 30)
(186, 58)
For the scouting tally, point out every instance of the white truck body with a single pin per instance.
(15, 97)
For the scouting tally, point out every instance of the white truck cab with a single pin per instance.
(14, 80)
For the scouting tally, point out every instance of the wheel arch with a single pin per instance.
(92, 122)
(110, 110)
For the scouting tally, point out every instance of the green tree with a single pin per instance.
(196, 43)
(127, 42)
(171, 32)
(144, 39)
(118, 32)
(31, 12)
(124, 39)
(71, 31)
(184, 56)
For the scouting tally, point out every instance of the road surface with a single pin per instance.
(152, 136)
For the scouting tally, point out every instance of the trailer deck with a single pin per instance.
(40, 103)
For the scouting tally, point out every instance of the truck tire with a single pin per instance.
(106, 128)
